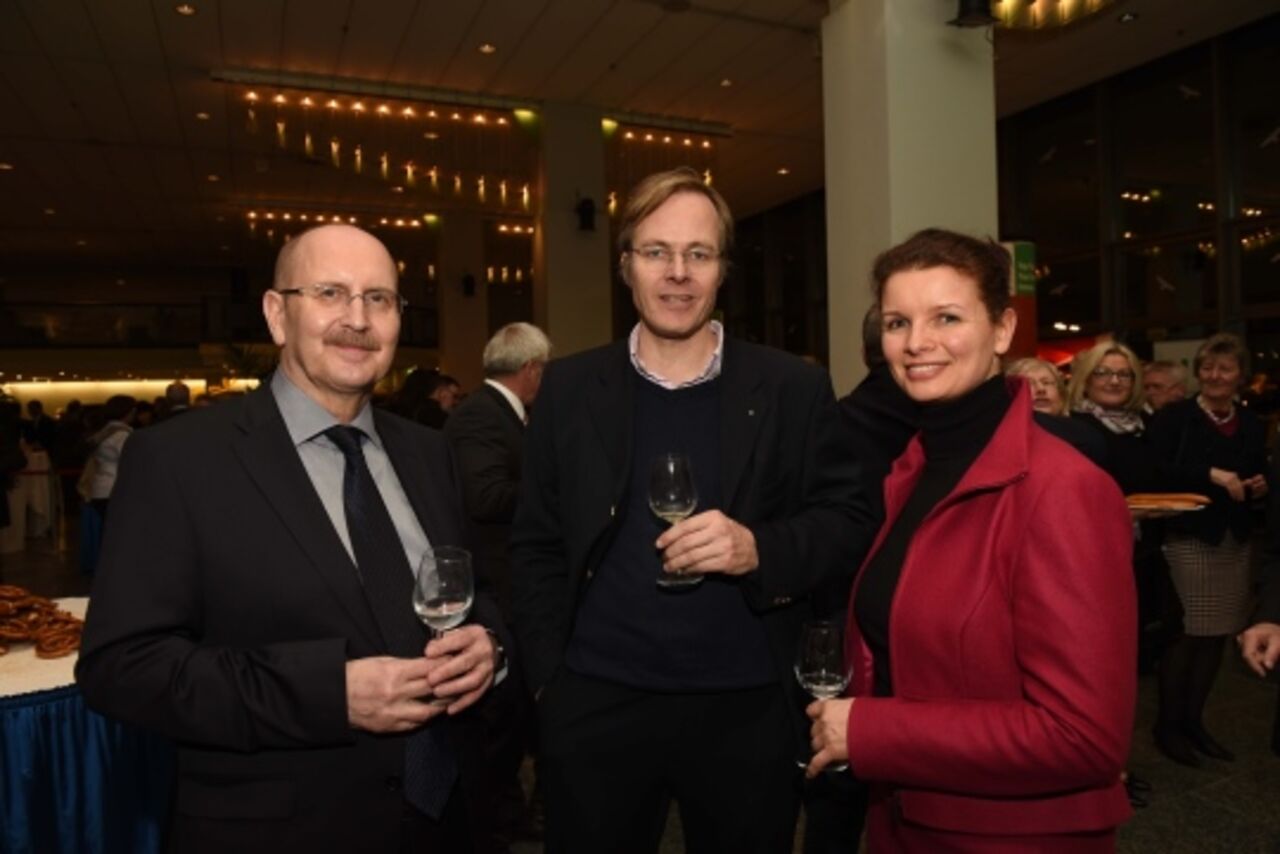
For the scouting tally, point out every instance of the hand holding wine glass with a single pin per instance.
(444, 589)
(673, 498)
(820, 664)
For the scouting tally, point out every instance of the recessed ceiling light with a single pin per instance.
(1126, 17)
(82, 243)
(49, 211)
(6, 167)
(487, 48)
(431, 135)
(726, 82)
(212, 179)
(202, 116)
(187, 9)
(782, 170)
(397, 189)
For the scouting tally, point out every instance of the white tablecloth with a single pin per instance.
(21, 672)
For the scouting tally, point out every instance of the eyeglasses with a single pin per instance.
(697, 258)
(379, 302)
(1106, 374)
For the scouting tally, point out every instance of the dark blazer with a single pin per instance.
(487, 438)
(1183, 435)
(787, 471)
(224, 611)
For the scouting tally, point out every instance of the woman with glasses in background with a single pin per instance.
(1208, 551)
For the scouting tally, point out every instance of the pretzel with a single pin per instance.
(1166, 498)
(4, 649)
(7, 608)
(13, 591)
(57, 644)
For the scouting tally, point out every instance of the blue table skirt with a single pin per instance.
(74, 782)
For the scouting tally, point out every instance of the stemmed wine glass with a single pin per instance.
(820, 664)
(673, 497)
(443, 590)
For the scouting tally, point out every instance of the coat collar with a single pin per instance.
(267, 453)
(1003, 460)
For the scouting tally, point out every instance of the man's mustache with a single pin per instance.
(351, 338)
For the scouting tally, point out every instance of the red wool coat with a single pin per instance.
(1013, 630)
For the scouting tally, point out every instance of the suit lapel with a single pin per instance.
(610, 400)
(266, 451)
(503, 404)
(428, 491)
(743, 406)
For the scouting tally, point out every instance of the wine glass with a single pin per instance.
(820, 664)
(443, 590)
(672, 497)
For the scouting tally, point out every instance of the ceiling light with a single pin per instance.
(397, 189)
(431, 135)
(82, 243)
(49, 211)
(782, 170)
(487, 49)
(1126, 17)
(202, 116)
(187, 9)
(306, 101)
(279, 99)
(726, 83)
(6, 167)
(212, 179)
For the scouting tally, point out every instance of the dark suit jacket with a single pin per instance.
(487, 438)
(224, 611)
(787, 471)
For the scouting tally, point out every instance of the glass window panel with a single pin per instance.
(1052, 154)
(1164, 145)
(1260, 262)
(1255, 110)
(1068, 294)
(1167, 280)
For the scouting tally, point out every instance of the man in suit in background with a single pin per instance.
(649, 693)
(254, 596)
(486, 432)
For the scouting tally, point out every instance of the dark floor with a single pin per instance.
(1232, 808)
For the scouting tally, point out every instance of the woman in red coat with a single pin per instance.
(991, 629)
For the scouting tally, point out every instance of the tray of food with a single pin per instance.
(1167, 502)
(29, 619)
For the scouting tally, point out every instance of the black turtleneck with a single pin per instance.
(953, 433)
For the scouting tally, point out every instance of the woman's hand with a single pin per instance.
(1257, 485)
(829, 734)
(1228, 481)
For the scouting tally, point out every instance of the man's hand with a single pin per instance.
(461, 666)
(829, 734)
(708, 542)
(385, 694)
(1260, 647)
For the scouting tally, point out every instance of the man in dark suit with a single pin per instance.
(652, 693)
(257, 608)
(486, 432)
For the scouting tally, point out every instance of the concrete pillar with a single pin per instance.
(464, 320)
(910, 142)
(571, 297)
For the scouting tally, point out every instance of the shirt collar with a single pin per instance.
(305, 419)
(516, 403)
(710, 372)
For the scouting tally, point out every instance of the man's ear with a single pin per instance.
(273, 310)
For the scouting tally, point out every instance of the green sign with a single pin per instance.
(1022, 275)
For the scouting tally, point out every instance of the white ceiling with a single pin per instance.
(98, 98)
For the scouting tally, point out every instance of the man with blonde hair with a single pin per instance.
(662, 653)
